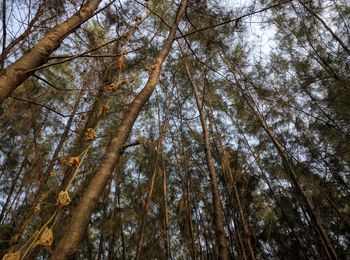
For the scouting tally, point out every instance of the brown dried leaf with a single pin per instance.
(89, 134)
(112, 87)
(103, 110)
(120, 63)
(123, 52)
(46, 238)
(53, 174)
(73, 161)
(63, 198)
(12, 256)
(37, 208)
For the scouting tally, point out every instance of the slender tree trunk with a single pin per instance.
(331, 253)
(11, 191)
(329, 29)
(70, 241)
(228, 174)
(22, 68)
(146, 207)
(148, 199)
(23, 36)
(192, 245)
(4, 31)
(166, 214)
(289, 167)
(227, 171)
(218, 217)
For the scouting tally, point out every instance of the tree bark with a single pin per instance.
(69, 243)
(218, 217)
(21, 69)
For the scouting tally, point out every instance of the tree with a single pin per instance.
(174, 129)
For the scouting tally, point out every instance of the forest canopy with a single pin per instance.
(179, 129)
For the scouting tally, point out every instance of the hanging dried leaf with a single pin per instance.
(45, 239)
(12, 256)
(103, 110)
(112, 87)
(89, 134)
(37, 208)
(73, 161)
(53, 174)
(123, 52)
(63, 198)
(120, 63)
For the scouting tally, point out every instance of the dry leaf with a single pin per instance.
(112, 87)
(53, 174)
(123, 52)
(63, 198)
(103, 110)
(46, 238)
(12, 256)
(120, 63)
(89, 134)
(73, 161)
(37, 208)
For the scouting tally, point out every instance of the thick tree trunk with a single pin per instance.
(69, 243)
(22, 68)
(218, 217)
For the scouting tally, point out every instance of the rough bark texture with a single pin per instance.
(69, 243)
(21, 69)
(218, 217)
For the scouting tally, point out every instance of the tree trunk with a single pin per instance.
(69, 243)
(166, 214)
(218, 217)
(21, 69)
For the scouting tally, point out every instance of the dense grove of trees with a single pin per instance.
(175, 129)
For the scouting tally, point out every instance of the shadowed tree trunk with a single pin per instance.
(69, 243)
(21, 69)
(218, 217)
(289, 167)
